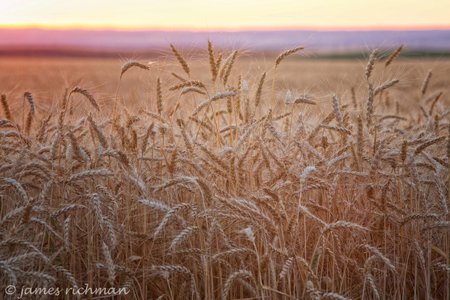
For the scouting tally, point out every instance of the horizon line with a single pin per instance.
(82, 27)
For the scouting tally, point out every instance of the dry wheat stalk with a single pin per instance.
(393, 56)
(305, 100)
(382, 257)
(85, 93)
(212, 61)
(428, 144)
(285, 54)
(353, 93)
(5, 107)
(343, 225)
(426, 82)
(181, 236)
(159, 101)
(259, 90)
(370, 108)
(180, 78)
(433, 103)
(331, 295)
(241, 274)
(286, 267)
(385, 86)
(28, 123)
(188, 83)
(109, 264)
(370, 64)
(180, 59)
(337, 110)
(132, 64)
(229, 66)
(192, 89)
(29, 97)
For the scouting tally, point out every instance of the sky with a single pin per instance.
(225, 14)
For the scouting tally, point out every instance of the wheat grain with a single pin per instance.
(385, 86)
(428, 144)
(259, 90)
(30, 100)
(229, 66)
(187, 83)
(426, 82)
(85, 93)
(343, 225)
(241, 274)
(393, 56)
(5, 107)
(159, 101)
(132, 64)
(370, 64)
(181, 236)
(180, 59)
(192, 89)
(285, 54)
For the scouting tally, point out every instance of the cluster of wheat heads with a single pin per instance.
(230, 199)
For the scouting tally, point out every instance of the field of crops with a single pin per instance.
(223, 176)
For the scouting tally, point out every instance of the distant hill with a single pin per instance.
(104, 42)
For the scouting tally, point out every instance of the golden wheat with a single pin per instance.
(213, 196)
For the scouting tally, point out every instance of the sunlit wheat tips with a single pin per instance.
(212, 61)
(180, 59)
(426, 82)
(259, 90)
(285, 54)
(30, 100)
(5, 107)
(370, 64)
(132, 64)
(86, 94)
(159, 100)
(393, 56)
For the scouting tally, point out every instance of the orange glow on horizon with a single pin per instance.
(226, 15)
(225, 29)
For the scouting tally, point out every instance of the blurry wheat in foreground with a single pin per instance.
(234, 196)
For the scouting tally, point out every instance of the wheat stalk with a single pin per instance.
(86, 94)
(393, 56)
(180, 59)
(241, 274)
(426, 82)
(132, 64)
(5, 107)
(285, 54)
(370, 64)
(30, 100)
(259, 90)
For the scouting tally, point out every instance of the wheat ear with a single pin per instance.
(180, 59)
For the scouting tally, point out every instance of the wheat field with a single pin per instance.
(219, 176)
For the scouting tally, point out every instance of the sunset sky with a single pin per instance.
(225, 14)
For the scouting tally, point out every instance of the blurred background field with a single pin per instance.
(47, 78)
